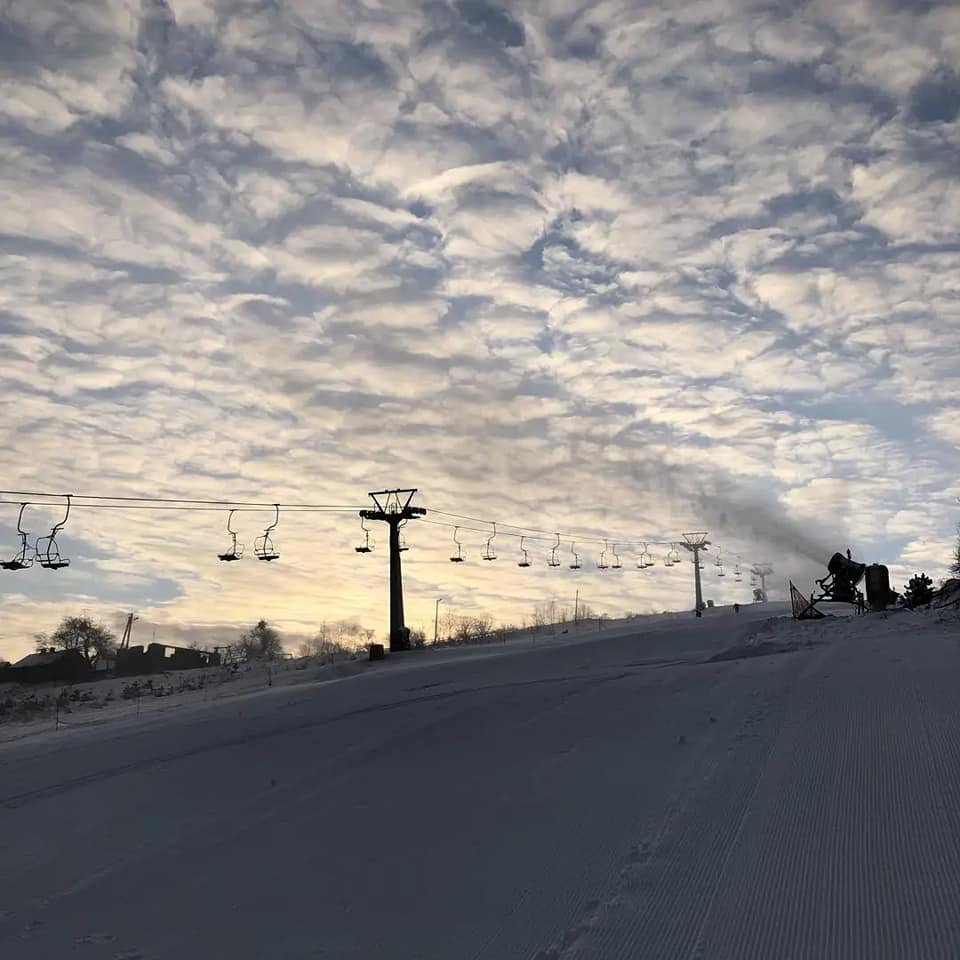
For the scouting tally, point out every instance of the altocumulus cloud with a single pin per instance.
(608, 267)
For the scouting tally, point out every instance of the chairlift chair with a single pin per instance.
(367, 545)
(263, 546)
(458, 556)
(489, 553)
(402, 540)
(21, 561)
(524, 561)
(49, 556)
(236, 549)
(553, 560)
(721, 572)
(603, 565)
(617, 564)
(575, 564)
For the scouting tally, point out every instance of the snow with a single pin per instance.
(617, 794)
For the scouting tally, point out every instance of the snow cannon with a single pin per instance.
(841, 584)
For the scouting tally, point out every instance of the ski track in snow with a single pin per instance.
(613, 797)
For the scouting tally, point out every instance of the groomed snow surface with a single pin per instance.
(617, 795)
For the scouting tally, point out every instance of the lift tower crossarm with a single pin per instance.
(393, 508)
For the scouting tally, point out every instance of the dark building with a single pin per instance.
(50, 666)
(158, 657)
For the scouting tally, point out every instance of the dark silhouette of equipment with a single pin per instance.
(602, 564)
(695, 542)
(21, 561)
(553, 560)
(393, 508)
(458, 556)
(263, 546)
(575, 563)
(366, 546)
(235, 552)
(617, 563)
(759, 573)
(489, 553)
(524, 560)
(840, 584)
(879, 593)
(48, 556)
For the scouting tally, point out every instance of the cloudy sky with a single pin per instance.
(612, 268)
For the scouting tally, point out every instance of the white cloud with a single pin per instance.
(667, 259)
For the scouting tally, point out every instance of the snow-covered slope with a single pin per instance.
(618, 796)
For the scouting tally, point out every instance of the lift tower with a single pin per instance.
(393, 508)
(695, 542)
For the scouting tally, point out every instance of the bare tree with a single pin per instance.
(91, 640)
(955, 564)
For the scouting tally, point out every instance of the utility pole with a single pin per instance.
(761, 571)
(127, 630)
(695, 542)
(436, 619)
(393, 508)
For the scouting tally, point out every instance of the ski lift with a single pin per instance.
(21, 561)
(737, 575)
(718, 561)
(645, 559)
(721, 572)
(553, 560)
(458, 556)
(236, 550)
(488, 551)
(602, 565)
(401, 539)
(668, 557)
(49, 557)
(524, 560)
(616, 565)
(575, 564)
(263, 546)
(368, 544)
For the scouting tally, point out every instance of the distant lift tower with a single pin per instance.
(393, 508)
(761, 571)
(695, 542)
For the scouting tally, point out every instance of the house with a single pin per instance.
(159, 657)
(50, 666)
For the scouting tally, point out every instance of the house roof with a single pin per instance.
(44, 659)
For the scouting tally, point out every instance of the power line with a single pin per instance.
(126, 502)
(532, 533)
(97, 500)
(182, 508)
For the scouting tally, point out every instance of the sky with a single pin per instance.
(611, 268)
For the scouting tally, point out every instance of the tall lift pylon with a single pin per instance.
(393, 508)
